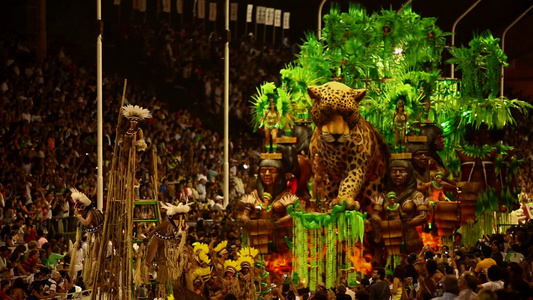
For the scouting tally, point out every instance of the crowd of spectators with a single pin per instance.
(48, 141)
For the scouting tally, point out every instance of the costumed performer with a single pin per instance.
(271, 122)
(93, 221)
(271, 110)
(436, 188)
(229, 281)
(201, 276)
(200, 259)
(91, 218)
(219, 254)
(213, 288)
(169, 242)
(134, 136)
(399, 121)
(246, 276)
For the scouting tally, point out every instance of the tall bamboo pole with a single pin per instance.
(111, 193)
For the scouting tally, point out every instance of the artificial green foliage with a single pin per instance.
(313, 58)
(283, 104)
(481, 65)
(327, 240)
(295, 80)
(394, 56)
(487, 201)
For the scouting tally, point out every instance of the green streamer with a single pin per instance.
(313, 253)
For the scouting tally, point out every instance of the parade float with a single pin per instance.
(376, 152)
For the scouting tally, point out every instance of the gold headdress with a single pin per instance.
(202, 274)
(203, 258)
(200, 247)
(232, 266)
(245, 261)
(221, 248)
(248, 251)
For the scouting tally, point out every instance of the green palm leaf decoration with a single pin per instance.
(313, 57)
(286, 111)
(296, 80)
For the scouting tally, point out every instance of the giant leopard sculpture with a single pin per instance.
(349, 157)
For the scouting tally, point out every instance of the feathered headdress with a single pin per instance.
(245, 261)
(248, 251)
(232, 266)
(202, 274)
(266, 94)
(221, 247)
(136, 113)
(80, 198)
(173, 209)
(203, 258)
(200, 247)
(248, 200)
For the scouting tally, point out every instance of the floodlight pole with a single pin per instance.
(453, 31)
(320, 18)
(100, 152)
(226, 108)
(503, 45)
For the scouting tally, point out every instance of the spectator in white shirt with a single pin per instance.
(494, 283)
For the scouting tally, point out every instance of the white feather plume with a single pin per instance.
(141, 145)
(378, 200)
(130, 111)
(173, 209)
(287, 200)
(80, 197)
(248, 199)
(420, 199)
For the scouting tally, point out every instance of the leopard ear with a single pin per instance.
(314, 93)
(359, 94)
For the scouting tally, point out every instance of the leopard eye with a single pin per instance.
(325, 112)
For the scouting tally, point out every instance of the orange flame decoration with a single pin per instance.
(428, 239)
(279, 265)
(361, 264)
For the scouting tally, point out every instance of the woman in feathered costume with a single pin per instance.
(271, 108)
(134, 136)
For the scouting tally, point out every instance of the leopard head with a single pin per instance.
(335, 110)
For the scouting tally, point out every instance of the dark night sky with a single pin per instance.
(71, 22)
(75, 17)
